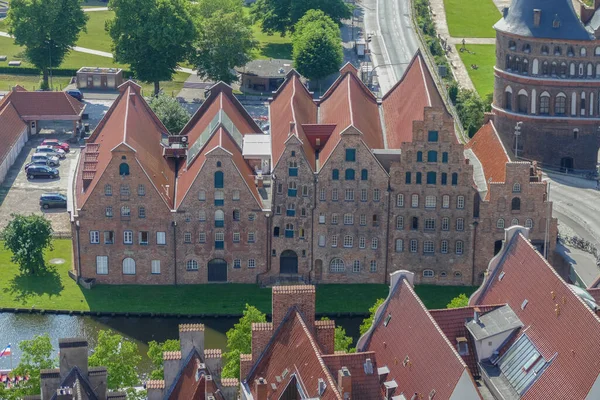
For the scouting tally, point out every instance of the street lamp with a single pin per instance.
(517, 134)
(49, 43)
(371, 72)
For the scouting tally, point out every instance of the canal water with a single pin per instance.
(17, 327)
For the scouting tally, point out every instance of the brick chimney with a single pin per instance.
(245, 365)
(97, 377)
(229, 388)
(300, 296)
(171, 365)
(261, 334)
(49, 381)
(155, 389)
(325, 332)
(212, 359)
(260, 389)
(191, 336)
(345, 383)
(73, 353)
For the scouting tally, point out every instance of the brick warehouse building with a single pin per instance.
(352, 188)
(547, 76)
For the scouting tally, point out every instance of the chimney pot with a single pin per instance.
(537, 15)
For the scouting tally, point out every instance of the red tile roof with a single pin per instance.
(490, 151)
(595, 293)
(414, 348)
(187, 387)
(348, 102)
(131, 122)
(364, 386)
(561, 326)
(11, 129)
(44, 105)
(292, 103)
(406, 101)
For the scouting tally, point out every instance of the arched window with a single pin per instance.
(535, 66)
(572, 69)
(583, 52)
(219, 179)
(454, 179)
(597, 70)
(107, 190)
(597, 51)
(522, 101)
(557, 51)
(582, 103)
(512, 45)
(218, 164)
(553, 68)
(517, 188)
(525, 66)
(128, 266)
(428, 273)
(445, 157)
(563, 69)
(500, 224)
(336, 265)
(529, 223)
(508, 62)
(202, 215)
(514, 222)
(364, 175)
(580, 70)
(526, 48)
(349, 175)
(419, 156)
(570, 51)
(219, 218)
(236, 215)
(545, 68)
(124, 169)
(432, 156)
(545, 103)
(545, 50)
(560, 104)
(590, 70)
(515, 204)
(335, 174)
(457, 275)
(508, 98)
(191, 265)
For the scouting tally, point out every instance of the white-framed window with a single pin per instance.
(128, 266)
(363, 219)
(107, 190)
(219, 195)
(514, 222)
(251, 237)
(102, 265)
(348, 219)
(362, 242)
(304, 190)
(445, 201)
(348, 241)
(460, 202)
(202, 195)
(444, 246)
(95, 237)
(373, 266)
(237, 263)
(155, 266)
(144, 237)
(414, 201)
(191, 265)
(109, 237)
(108, 211)
(251, 217)
(364, 195)
(322, 194)
(517, 188)
(400, 200)
(428, 273)
(303, 212)
(349, 195)
(128, 237)
(445, 224)
(334, 219)
(236, 237)
(334, 241)
(414, 246)
(337, 265)
(236, 195)
(278, 210)
(251, 263)
(201, 215)
(430, 201)
(161, 238)
(459, 247)
(124, 190)
(334, 195)
(321, 240)
(141, 190)
(529, 223)
(125, 211)
(376, 195)
(399, 245)
(219, 237)
(374, 243)
(400, 222)
(460, 224)
(187, 237)
(356, 266)
(428, 247)
(321, 218)
(500, 223)
(429, 224)
(279, 188)
(202, 237)
(142, 212)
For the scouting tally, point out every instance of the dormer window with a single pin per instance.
(512, 45)
(570, 51)
(557, 51)
(545, 50)
(526, 48)
(462, 346)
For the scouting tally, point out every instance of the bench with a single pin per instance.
(3, 58)
(14, 63)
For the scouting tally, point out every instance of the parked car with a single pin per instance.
(75, 94)
(50, 159)
(48, 200)
(57, 144)
(40, 171)
(51, 150)
(37, 162)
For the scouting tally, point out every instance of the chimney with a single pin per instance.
(261, 335)
(345, 383)
(155, 389)
(505, 12)
(191, 336)
(325, 332)
(476, 312)
(97, 377)
(73, 353)
(245, 365)
(292, 128)
(171, 366)
(49, 381)
(212, 359)
(229, 388)
(300, 296)
(132, 97)
(260, 389)
(537, 15)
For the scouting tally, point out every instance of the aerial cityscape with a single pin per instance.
(299, 199)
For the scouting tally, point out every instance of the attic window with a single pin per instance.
(524, 304)
(293, 153)
(124, 169)
(123, 157)
(556, 22)
(501, 276)
(387, 320)
(462, 346)
(321, 387)
(432, 394)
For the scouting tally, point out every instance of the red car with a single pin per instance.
(57, 144)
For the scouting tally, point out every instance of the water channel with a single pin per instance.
(17, 327)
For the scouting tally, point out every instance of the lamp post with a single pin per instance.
(371, 73)
(49, 43)
(517, 134)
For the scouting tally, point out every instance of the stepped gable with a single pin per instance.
(292, 103)
(557, 321)
(349, 103)
(406, 101)
(130, 122)
(489, 150)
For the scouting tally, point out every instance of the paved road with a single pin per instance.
(394, 41)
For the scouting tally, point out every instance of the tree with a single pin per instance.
(239, 341)
(36, 354)
(47, 29)
(170, 112)
(120, 357)
(155, 353)
(470, 109)
(368, 322)
(317, 46)
(152, 36)
(27, 237)
(225, 41)
(281, 16)
(460, 301)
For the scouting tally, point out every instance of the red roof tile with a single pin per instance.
(11, 129)
(187, 387)
(44, 104)
(490, 151)
(595, 293)
(570, 337)
(406, 101)
(364, 386)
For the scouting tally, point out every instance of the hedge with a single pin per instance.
(55, 72)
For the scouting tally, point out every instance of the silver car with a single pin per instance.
(51, 150)
(50, 159)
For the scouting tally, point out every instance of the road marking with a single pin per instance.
(383, 42)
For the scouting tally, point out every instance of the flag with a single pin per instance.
(5, 352)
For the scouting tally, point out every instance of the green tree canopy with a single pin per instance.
(36, 354)
(239, 341)
(281, 16)
(155, 353)
(120, 357)
(341, 341)
(470, 108)
(47, 29)
(367, 322)
(152, 36)
(170, 112)
(27, 237)
(317, 46)
(460, 301)
(225, 40)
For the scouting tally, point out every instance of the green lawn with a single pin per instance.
(484, 56)
(96, 37)
(30, 82)
(171, 87)
(55, 290)
(270, 46)
(470, 19)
